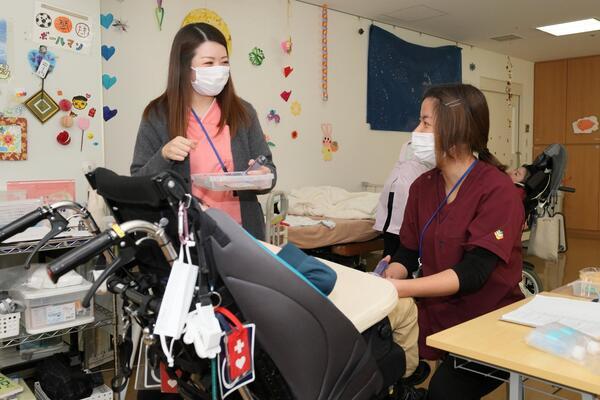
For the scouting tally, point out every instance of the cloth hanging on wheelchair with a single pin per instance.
(398, 74)
(315, 271)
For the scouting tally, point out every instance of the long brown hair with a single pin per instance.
(462, 121)
(176, 99)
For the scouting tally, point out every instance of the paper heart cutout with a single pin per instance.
(108, 113)
(285, 95)
(107, 52)
(108, 81)
(287, 71)
(240, 362)
(172, 382)
(106, 20)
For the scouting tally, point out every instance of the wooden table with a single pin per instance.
(487, 340)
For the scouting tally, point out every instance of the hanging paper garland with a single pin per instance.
(324, 93)
(160, 14)
(508, 90)
(256, 56)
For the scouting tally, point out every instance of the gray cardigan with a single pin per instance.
(247, 144)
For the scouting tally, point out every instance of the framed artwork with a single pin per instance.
(13, 139)
(42, 106)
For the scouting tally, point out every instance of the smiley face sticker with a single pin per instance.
(63, 24)
(79, 102)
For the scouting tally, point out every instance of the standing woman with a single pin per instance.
(461, 234)
(200, 125)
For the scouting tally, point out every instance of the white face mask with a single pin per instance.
(423, 147)
(210, 81)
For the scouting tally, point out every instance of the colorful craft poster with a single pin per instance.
(49, 191)
(65, 29)
(3, 59)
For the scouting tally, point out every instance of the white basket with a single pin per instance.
(9, 324)
(100, 393)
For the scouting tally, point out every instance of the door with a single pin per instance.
(549, 102)
(504, 140)
(582, 207)
(583, 98)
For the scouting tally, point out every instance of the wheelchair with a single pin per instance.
(306, 348)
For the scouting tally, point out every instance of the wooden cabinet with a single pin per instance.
(550, 102)
(583, 96)
(582, 208)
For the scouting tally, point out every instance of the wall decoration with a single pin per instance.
(63, 138)
(268, 140)
(286, 45)
(66, 121)
(398, 73)
(108, 81)
(273, 116)
(209, 17)
(83, 123)
(120, 25)
(42, 106)
(159, 12)
(13, 139)
(35, 58)
(107, 51)
(324, 70)
(65, 105)
(92, 112)
(4, 69)
(508, 91)
(329, 146)
(59, 92)
(57, 27)
(14, 111)
(287, 71)
(285, 95)
(585, 125)
(106, 20)
(294, 135)
(295, 108)
(256, 56)
(108, 113)
(80, 102)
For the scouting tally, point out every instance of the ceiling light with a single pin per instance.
(570, 28)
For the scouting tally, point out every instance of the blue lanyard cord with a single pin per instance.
(439, 207)
(210, 141)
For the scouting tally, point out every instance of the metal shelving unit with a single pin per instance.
(54, 244)
(102, 317)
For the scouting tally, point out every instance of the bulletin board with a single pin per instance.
(43, 145)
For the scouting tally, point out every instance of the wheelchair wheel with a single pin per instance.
(531, 283)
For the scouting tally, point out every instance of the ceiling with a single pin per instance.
(475, 22)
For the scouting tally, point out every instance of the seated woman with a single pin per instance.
(461, 234)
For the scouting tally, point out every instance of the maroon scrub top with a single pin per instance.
(488, 213)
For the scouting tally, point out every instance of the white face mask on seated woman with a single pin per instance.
(423, 147)
(210, 81)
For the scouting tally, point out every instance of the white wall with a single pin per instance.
(74, 74)
(141, 67)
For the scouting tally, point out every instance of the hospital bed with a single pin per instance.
(348, 243)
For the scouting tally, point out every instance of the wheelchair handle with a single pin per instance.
(20, 224)
(566, 189)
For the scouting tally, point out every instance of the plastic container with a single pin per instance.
(100, 393)
(566, 342)
(221, 182)
(52, 309)
(9, 325)
(585, 289)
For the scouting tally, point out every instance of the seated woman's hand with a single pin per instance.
(395, 271)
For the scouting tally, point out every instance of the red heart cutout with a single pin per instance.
(286, 95)
(287, 71)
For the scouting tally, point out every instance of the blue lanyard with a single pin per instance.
(437, 210)
(210, 141)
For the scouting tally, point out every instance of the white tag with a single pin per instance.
(177, 299)
(42, 70)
